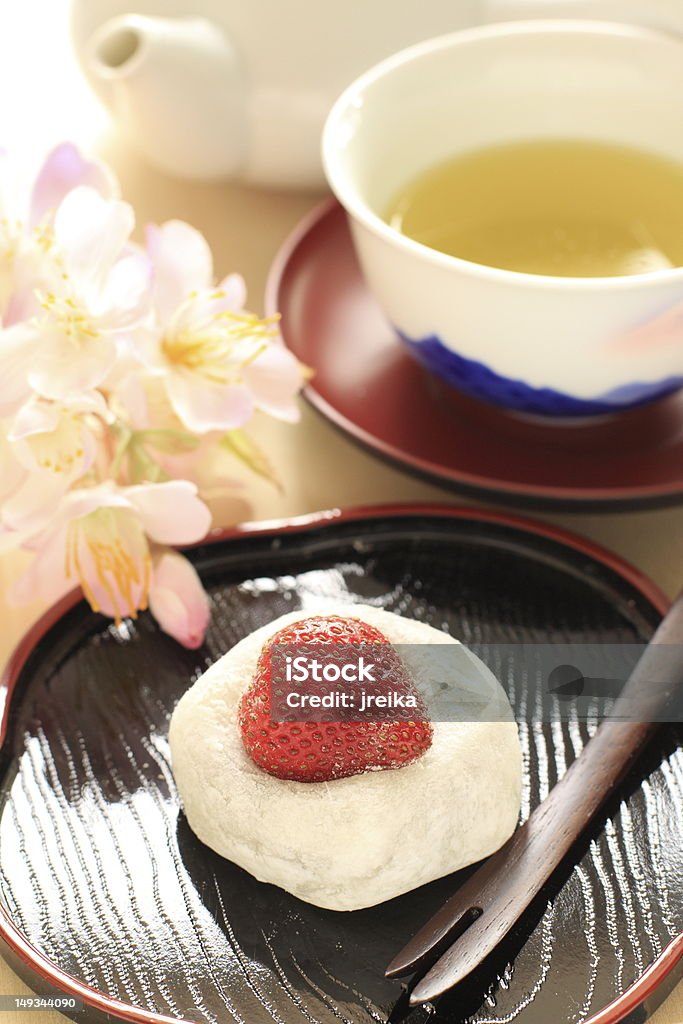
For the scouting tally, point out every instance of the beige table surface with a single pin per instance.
(43, 100)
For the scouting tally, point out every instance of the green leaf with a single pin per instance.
(142, 467)
(123, 436)
(248, 452)
(170, 441)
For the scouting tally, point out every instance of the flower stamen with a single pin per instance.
(68, 316)
(59, 450)
(44, 236)
(97, 555)
(213, 351)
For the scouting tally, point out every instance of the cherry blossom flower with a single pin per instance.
(51, 445)
(126, 378)
(218, 362)
(98, 290)
(25, 241)
(64, 170)
(159, 435)
(103, 538)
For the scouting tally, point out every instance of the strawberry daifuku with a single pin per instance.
(311, 751)
(324, 812)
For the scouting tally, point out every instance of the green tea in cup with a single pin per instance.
(563, 208)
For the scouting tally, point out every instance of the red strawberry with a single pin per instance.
(324, 750)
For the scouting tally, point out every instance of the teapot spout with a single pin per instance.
(177, 87)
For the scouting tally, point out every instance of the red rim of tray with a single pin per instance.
(55, 977)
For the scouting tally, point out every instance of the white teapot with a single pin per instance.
(241, 88)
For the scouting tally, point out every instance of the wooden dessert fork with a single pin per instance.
(471, 923)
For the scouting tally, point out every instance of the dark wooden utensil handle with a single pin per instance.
(642, 704)
(509, 880)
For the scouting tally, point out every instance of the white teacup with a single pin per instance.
(553, 346)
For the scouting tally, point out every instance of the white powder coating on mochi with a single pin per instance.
(357, 841)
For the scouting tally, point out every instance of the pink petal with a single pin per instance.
(34, 417)
(182, 264)
(65, 169)
(31, 273)
(194, 314)
(82, 501)
(130, 393)
(38, 416)
(76, 504)
(93, 402)
(91, 233)
(235, 290)
(178, 601)
(12, 472)
(126, 297)
(10, 540)
(45, 577)
(171, 512)
(145, 345)
(65, 368)
(275, 380)
(203, 405)
(32, 506)
(22, 304)
(18, 346)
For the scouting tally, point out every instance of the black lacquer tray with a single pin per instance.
(106, 893)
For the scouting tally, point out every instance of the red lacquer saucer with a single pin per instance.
(369, 387)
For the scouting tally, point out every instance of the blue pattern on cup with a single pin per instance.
(479, 381)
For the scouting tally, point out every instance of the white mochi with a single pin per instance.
(357, 841)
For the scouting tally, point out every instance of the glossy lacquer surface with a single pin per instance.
(100, 872)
